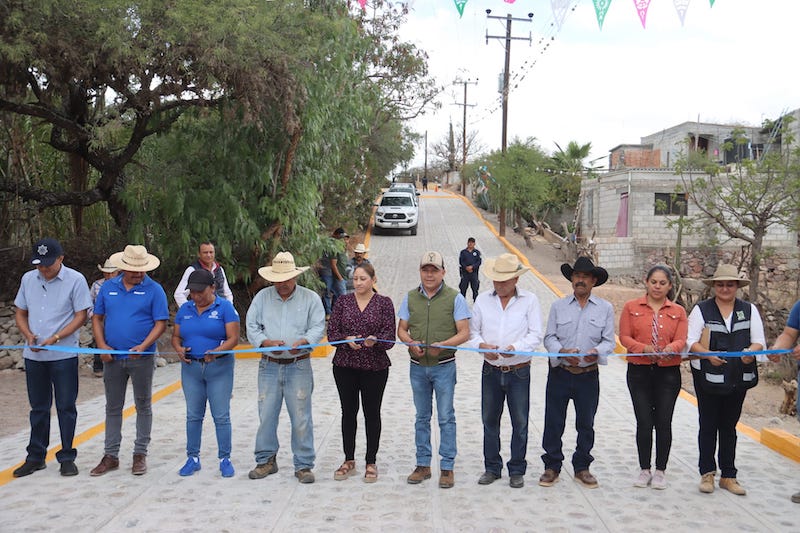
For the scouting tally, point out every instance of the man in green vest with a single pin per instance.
(434, 318)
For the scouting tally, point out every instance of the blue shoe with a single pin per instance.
(226, 468)
(192, 465)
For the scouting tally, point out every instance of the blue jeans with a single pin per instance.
(333, 289)
(425, 380)
(44, 378)
(498, 387)
(212, 383)
(293, 383)
(584, 391)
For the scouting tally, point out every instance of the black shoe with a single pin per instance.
(487, 478)
(68, 468)
(28, 468)
(516, 481)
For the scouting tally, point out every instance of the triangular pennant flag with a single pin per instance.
(362, 3)
(460, 6)
(601, 8)
(712, 3)
(560, 8)
(641, 8)
(510, 1)
(681, 6)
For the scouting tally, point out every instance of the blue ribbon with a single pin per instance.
(76, 349)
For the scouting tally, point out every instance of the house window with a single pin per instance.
(667, 203)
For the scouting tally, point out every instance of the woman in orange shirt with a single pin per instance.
(657, 327)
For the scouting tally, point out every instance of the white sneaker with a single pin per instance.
(659, 481)
(643, 480)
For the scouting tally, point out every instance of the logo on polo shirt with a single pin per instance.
(214, 314)
(140, 293)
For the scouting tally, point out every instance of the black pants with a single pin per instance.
(469, 279)
(719, 414)
(654, 390)
(369, 385)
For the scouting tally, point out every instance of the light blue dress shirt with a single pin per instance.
(584, 328)
(51, 305)
(301, 316)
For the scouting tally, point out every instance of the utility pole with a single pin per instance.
(464, 132)
(425, 175)
(508, 38)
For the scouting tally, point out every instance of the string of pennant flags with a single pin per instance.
(601, 8)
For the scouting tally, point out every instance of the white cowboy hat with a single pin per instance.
(108, 267)
(134, 259)
(282, 268)
(727, 273)
(503, 268)
(360, 249)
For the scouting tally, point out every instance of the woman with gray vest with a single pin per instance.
(723, 324)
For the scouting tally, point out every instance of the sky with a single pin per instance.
(731, 63)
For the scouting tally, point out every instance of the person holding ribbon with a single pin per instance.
(787, 340)
(361, 367)
(288, 318)
(655, 327)
(51, 306)
(580, 328)
(507, 318)
(130, 314)
(723, 324)
(207, 323)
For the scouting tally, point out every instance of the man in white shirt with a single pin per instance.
(508, 319)
(206, 258)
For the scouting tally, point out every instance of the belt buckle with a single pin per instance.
(505, 369)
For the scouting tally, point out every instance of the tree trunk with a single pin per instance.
(754, 270)
(79, 180)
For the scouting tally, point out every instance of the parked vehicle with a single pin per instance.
(406, 187)
(397, 210)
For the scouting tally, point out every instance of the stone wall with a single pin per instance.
(10, 336)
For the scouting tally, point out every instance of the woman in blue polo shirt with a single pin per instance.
(206, 323)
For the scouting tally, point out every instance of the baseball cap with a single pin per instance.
(199, 280)
(46, 251)
(340, 233)
(432, 258)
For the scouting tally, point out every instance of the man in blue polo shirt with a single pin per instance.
(130, 314)
(51, 307)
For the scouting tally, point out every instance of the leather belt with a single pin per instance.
(203, 360)
(508, 368)
(285, 360)
(579, 369)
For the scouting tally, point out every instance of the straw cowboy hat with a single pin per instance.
(584, 264)
(134, 259)
(727, 273)
(108, 267)
(282, 268)
(503, 268)
(360, 249)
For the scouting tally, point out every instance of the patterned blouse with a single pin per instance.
(376, 319)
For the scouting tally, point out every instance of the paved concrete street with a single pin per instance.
(163, 501)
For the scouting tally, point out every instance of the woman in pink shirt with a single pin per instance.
(657, 328)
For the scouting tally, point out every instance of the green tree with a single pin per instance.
(104, 76)
(519, 181)
(755, 196)
(568, 168)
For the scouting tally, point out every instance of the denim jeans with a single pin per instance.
(654, 390)
(425, 381)
(718, 416)
(365, 387)
(293, 383)
(212, 383)
(115, 378)
(44, 378)
(333, 289)
(584, 391)
(498, 387)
